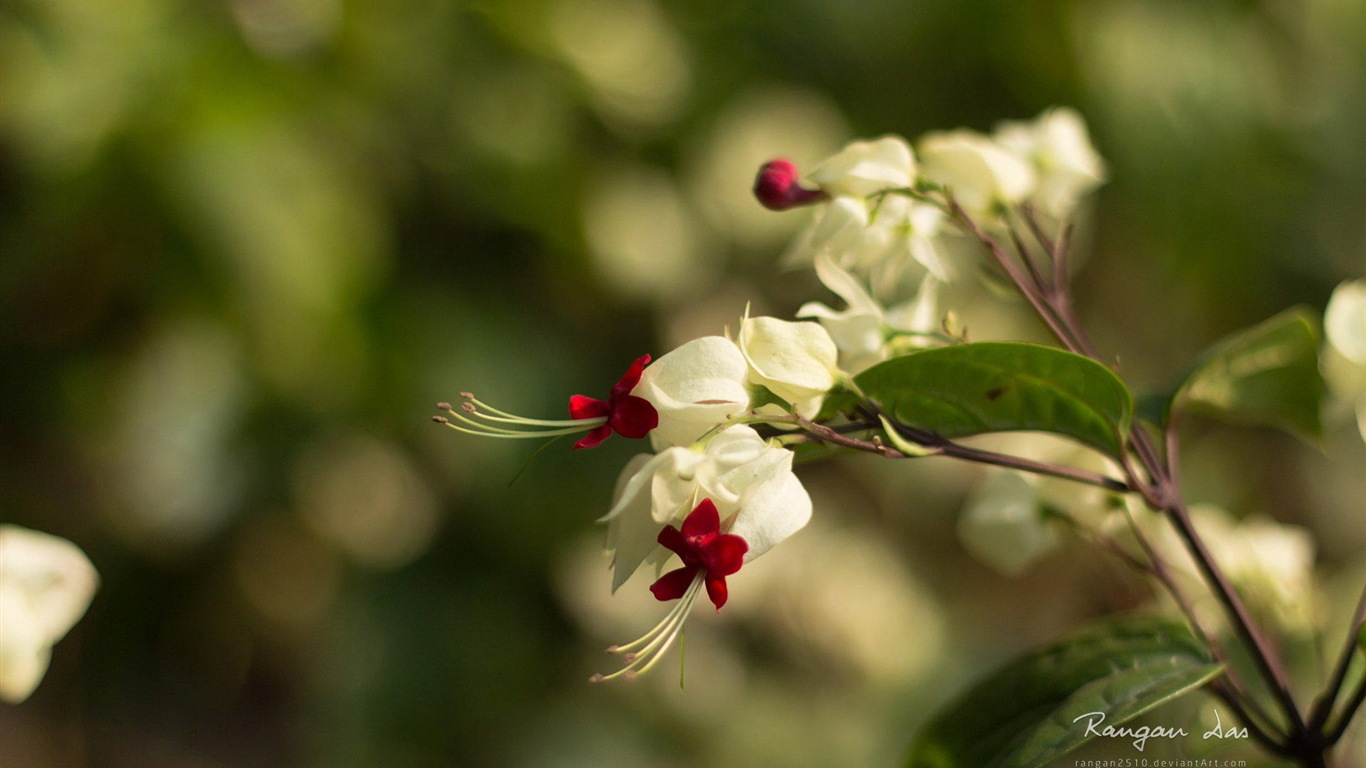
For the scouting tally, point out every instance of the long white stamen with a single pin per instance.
(596, 420)
(567, 427)
(664, 624)
(485, 427)
(477, 422)
(515, 419)
(514, 435)
(654, 644)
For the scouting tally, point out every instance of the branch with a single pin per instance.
(1053, 305)
(938, 446)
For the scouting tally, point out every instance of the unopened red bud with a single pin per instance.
(776, 187)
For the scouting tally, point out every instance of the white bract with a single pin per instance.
(750, 482)
(861, 230)
(1003, 524)
(1057, 145)
(860, 332)
(1344, 360)
(694, 388)
(863, 168)
(981, 175)
(882, 237)
(798, 361)
(46, 584)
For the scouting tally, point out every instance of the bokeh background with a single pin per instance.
(246, 245)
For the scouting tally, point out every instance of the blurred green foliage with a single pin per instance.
(245, 245)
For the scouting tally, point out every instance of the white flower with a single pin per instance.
(798, 362)
(739, 486)
(910, 230)
(1344, 359)
(1057, 145)
(750, 482)
(880, 235)
(860, 332)
(1344, 320)
(1003, 524)
(979, 173)
(863, 168)
(1012, 518)
(841, 229)
(46, 583)
(694, 388)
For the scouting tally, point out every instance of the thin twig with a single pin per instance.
(937, 446)
(1323, 706)
(1334, 734)
(1027, 289)
(1023, 250)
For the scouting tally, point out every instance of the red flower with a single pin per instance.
(704, 550)
(776, 187)
(627, 415)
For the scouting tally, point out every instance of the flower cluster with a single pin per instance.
(716, 489)
(876, 213)
(714, 492)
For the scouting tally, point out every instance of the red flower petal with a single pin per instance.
(716, 590)
(673, 584)
(703, 520)
(673, 540)
(725, 554)
(582, 407)
(631, 378)
(594, 439)
(633, 417)
(703, 549)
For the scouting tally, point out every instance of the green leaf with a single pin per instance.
(1036, 709)
(1266, 375)
(840, 400)
(972, 389)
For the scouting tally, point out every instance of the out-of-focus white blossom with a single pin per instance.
(981, 175)
(798, 362)
(750, 482)
(882, 235)
(46, 584)
(861, 332)
(883, 238)
(1344, 320)
(1344, 357)
(864, 168)
(694, 388)
(1270, 563)
(1056, 143)
(1003, 524)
